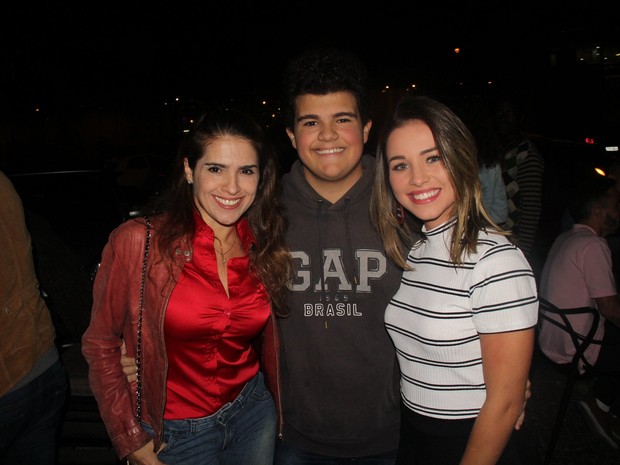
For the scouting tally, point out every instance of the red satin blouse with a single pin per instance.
(208, 334)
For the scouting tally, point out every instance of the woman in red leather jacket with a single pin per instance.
(217, 269)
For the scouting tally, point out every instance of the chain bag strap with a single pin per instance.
(139, 340)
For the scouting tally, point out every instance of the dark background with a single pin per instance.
(83, 82)
(134, 51)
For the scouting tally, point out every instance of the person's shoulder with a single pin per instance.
(10, 200)
(585, 233)
(579, 241)
(490, 239)
(132, 228)
(498, 252)
(6, 185)
(590, 239)
(532, 149)
(292, 180)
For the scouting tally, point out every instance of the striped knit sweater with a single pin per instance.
(439, 310)
(523, 169)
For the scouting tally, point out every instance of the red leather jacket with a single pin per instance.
(117, 289)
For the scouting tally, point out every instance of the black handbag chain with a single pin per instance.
(139, 340)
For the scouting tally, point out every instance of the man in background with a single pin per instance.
(578, 273)
(33, 382)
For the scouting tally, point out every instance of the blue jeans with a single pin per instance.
(287, 454)
(30, 418)
(241, 432)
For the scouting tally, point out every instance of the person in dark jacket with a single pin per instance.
(217, 270)
(33, 381)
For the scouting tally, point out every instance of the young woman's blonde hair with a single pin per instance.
(458, 151)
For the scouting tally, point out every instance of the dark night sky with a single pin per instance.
(54, 51)
(99, 72)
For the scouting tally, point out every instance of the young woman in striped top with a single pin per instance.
(463, 318)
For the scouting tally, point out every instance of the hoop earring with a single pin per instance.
(400, 214)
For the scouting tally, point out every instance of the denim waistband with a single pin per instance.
(227, 411)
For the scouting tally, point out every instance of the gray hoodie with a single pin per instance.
(339, 371)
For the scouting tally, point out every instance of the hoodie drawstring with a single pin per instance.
(351, 255)
(318, 223)
(348, 256)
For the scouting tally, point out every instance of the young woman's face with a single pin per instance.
(418, 176)
(225, 180)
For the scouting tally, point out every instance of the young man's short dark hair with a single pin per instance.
(324, 71)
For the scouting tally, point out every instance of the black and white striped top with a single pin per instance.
(435, 317)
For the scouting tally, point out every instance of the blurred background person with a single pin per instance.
(494, 196)
(522, 170)
(478, 115)
(33, 381)
(578, 273)
(493, 189)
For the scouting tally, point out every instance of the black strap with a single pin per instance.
(147, 244)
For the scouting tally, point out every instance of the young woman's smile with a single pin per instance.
(225, 180)
(418, 176)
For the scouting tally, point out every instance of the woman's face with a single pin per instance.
(225, 180)
(418, 176)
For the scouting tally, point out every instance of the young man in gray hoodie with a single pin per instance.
(339, 374)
